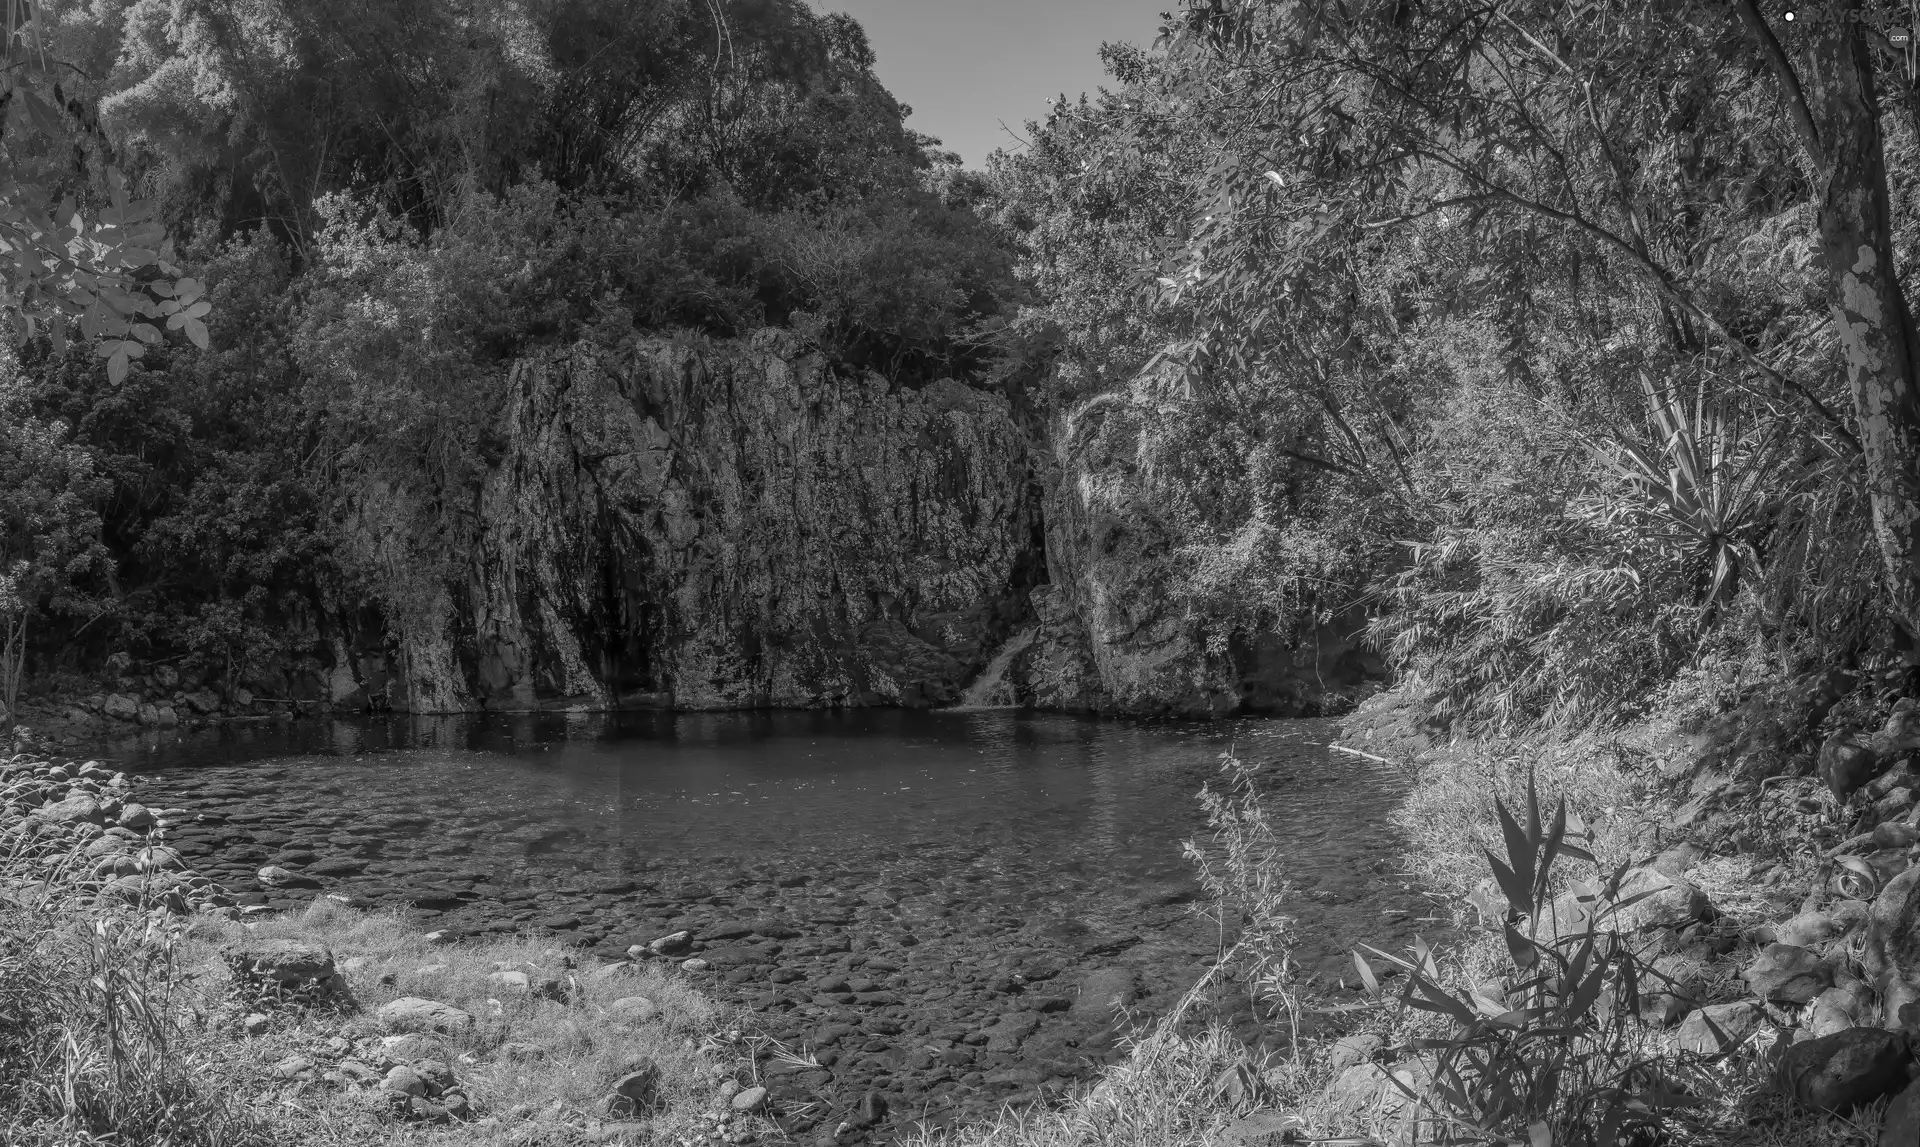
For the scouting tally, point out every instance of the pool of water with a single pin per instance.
(1072, 813)
(948, 849)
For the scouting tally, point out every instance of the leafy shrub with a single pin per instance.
(1563, 1058)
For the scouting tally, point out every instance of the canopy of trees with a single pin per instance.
(1573, 337)
(1569, 340)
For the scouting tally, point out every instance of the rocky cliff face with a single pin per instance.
(708, 525)
(720, 525)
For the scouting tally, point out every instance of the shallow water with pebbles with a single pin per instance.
(945, 907)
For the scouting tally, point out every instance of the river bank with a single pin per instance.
(144, 1005)
(975, 931)
(897, 1002)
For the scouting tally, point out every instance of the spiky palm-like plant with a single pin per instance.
(1702, 482)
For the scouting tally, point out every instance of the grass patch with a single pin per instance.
(538, 1066)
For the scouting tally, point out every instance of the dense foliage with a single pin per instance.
(1516, 323)
(344, 179)
(1512, 330)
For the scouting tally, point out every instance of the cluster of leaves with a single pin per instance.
(1563, 1057)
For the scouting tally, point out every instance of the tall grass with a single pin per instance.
(100, 1036)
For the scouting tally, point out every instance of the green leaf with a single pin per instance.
(1365, 972)
(1520, 857)
(197, 332)
(1518, 893)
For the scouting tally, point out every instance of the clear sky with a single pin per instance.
(966, 65)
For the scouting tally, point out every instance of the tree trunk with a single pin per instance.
(1876, 331)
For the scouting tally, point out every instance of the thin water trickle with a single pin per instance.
(992, 690)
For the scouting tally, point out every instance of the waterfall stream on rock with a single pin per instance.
(992, 690)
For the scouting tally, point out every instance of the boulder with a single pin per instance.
(276, 877)
(1847, 762)
(1891, 952)
(1665, 901)
(1349, 1050)
(1664, 1009)
(288, 963)
(671, 945)
(1901, 1127)
(1809, 929)
(1894, 834)
(1845, 1070)
(437, 1076)
(1899, 736)
(403, 1080)
(1565, 919)
(1369, 1088)
(121, 707)
(159, 858)
(632, 1010)
(1834, 1010)
(1719, 1028)
(109, 867)
(76, 808)
(635, 1091)
(136, 816)
(1785, 974)
(414, 1014)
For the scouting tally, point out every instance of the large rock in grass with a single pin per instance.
(1835, 1010)
(1784, 974)
(1381, 1092)
(632, 1010)
(636, 1091)
(414, 1014)
(1845, 1070)
(1660, 901)
(286, 963)
(1719, 1028)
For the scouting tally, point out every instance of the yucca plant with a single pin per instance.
(1563, 1058)
(1703, 480)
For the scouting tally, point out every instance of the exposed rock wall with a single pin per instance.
(717, 525)
(702, 525)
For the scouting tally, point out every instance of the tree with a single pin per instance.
(1583, 145)
(61, 267)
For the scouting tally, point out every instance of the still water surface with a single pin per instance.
(985, 810)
